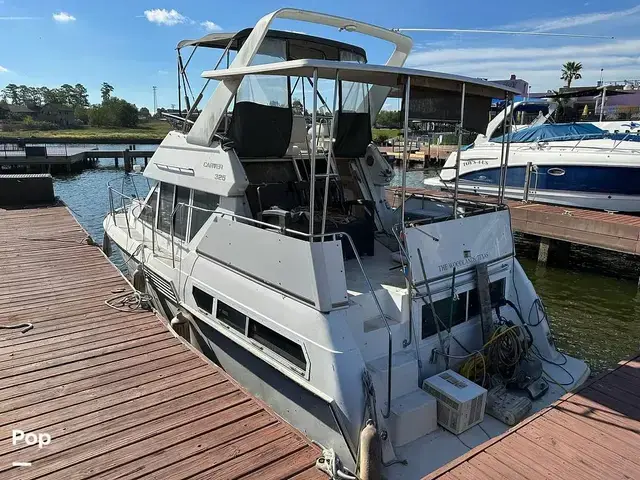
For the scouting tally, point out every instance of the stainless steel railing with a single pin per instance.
(128, 207)
(310, 237)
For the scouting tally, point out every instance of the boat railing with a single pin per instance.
(128, 206)
(310, 237)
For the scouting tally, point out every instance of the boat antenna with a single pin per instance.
(499, 32)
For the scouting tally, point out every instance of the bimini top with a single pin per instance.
(316, 46)
(554, 132)
(369, 74)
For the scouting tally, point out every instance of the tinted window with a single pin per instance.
(165, 209)
(182, 213)
(203, 300)
(204, 200)
(277, 343)
(148, 213)
(461, 310)
(230, 316)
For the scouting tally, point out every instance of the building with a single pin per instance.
(61, 115)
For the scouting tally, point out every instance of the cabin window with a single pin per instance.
(207, 201)
(165, 209)
(182, 212)
(270, 90)
(203, 300)
(231, 317)
(148, 213)
(287, 349)
(466, 306)
(355, 96)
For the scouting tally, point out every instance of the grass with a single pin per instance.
(387, 133)
(152, 130)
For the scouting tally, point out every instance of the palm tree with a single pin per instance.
(571, 72)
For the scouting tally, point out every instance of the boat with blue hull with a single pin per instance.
(573, 164)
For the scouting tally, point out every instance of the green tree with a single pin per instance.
(80, 96)
(389, 118)
(571, 72)
(114, 112)
(81, 113)
(105, 91)
(145, 113)
(10, 92)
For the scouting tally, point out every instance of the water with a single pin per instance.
(592, 300)
(87, 196)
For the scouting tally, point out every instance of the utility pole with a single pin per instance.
(155, 101)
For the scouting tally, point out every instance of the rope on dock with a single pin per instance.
(25, 327)
(127, 302)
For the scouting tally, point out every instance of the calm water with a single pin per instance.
(592, 299)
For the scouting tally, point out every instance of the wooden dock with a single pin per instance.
(55, 159)
(611, 231)
(119, 394)
(593, 433)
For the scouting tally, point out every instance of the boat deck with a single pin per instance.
(119, 394)
(590, 434)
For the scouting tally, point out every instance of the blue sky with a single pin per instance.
(131, 44)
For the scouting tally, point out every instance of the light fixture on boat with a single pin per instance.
(349, 28)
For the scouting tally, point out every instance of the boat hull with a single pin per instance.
(299, 406)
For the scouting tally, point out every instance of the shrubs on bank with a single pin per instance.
(113, 112)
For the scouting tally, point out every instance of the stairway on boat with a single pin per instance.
(413, 411)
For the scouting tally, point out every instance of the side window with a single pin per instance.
(231, 317)
(277, 343)
(148, 214)
(165, 209)
(204, 200)
(182, 213)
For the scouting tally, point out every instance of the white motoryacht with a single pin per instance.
(293, 273)
(574, 164)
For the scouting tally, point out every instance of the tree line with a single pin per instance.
(111, 112)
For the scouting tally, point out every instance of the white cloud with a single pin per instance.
(539, 66)
(549, 24)
(63, 17)
(577, 53)
(210, 26)
(18, 18)
(3, 70)
(162, 16)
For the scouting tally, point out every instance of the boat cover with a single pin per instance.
(555, 132)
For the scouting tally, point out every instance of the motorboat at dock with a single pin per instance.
(279, 252)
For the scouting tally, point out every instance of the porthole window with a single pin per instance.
(556, 172)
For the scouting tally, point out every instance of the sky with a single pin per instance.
(131, 43)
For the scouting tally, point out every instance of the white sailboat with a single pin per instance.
(295, 275)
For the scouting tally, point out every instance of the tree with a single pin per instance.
(114, 112)
(571, 72)
(145, 113)
(12, 93)
(80, 96)
(105, 91)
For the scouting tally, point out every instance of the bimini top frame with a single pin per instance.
(377, 75)
(233, 41)
(203, 130)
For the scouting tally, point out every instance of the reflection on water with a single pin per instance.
(593, 316)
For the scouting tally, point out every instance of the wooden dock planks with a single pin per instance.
(593, 433)
(120, 395)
